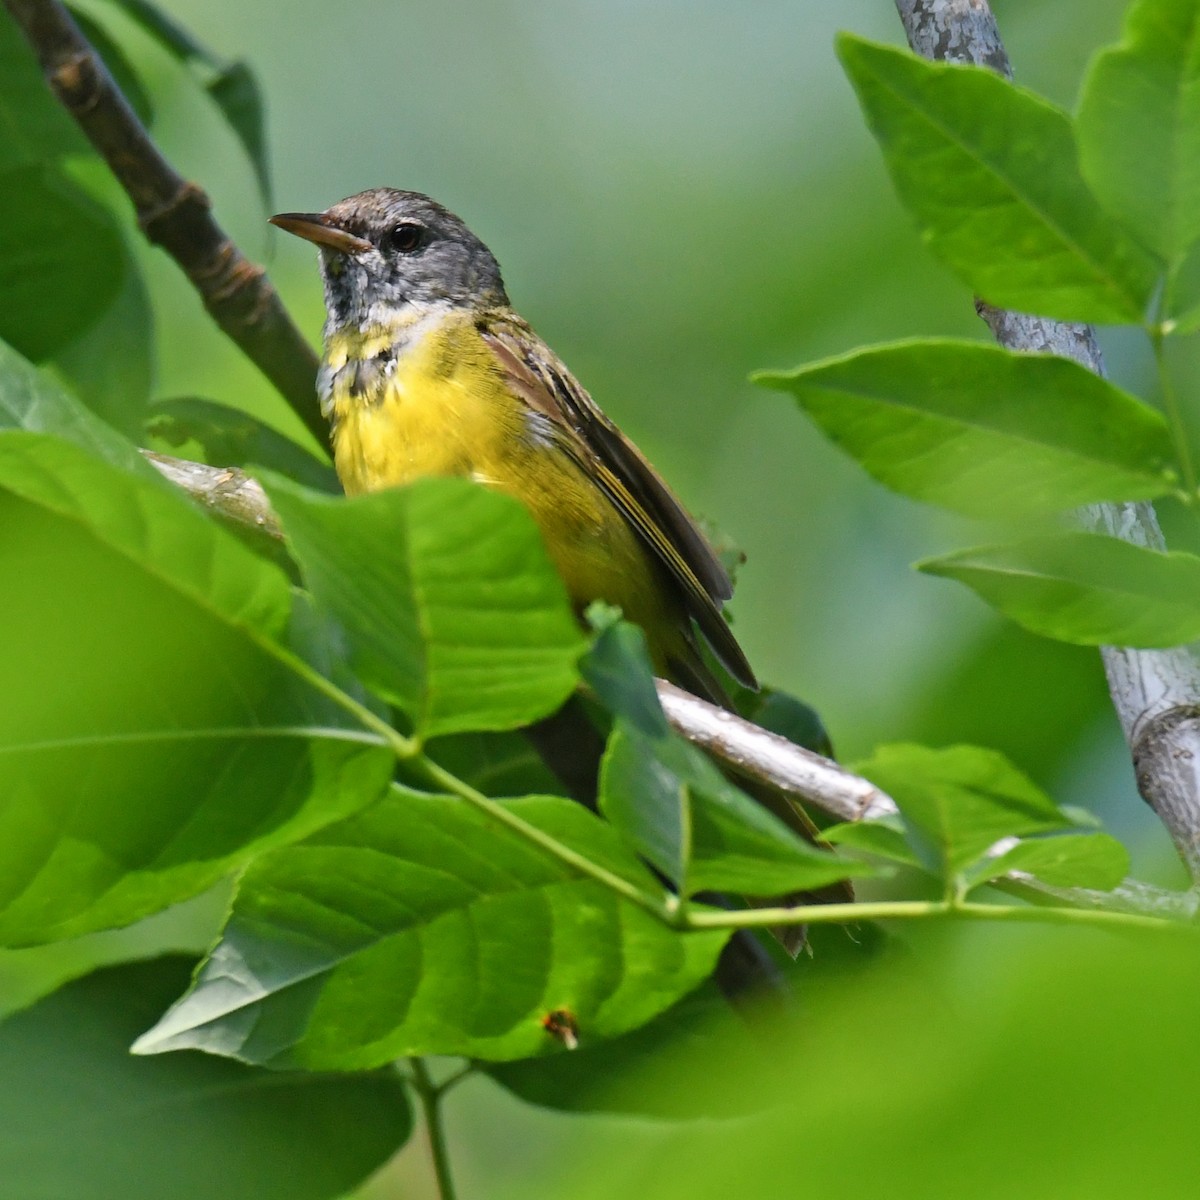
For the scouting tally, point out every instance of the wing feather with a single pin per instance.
(536, 374)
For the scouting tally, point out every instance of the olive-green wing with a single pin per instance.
(536, 374)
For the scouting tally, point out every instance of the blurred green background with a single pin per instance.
(678, 193)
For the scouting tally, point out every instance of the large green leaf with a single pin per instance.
(959, 802)
(923, 1076)
(62, 260)
(163, 736)
(81, 1117)
(1139, 125)
(231, 85)
(703, 1026)
(989, 171)
(980, 430)
(451, 606)
(111, 366)
(674, 806)
(203, 430)
(31, 400)
(34, 127)
(1084, 860)
(1084, 588)
(703, 833)
(419, 927)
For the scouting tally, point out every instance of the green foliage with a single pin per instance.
(961, 803)
(675, 808)
(418, 928)
(32, 401)
(61, 260)
(921, 1078)
(1084, 588)
(204, 431)
(80, 1117)
(980, 430)
(162, 681)
(989, 172)
(451, 607)
(232, 85)
(410, 883)
(1139, 126)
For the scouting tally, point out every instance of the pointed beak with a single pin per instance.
(319, 228)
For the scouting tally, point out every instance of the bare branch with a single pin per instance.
(756, 753)
(172, 212)
(226, 491)
(1156, 693)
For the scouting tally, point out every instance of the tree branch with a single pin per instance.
(1156, 693)
(755, 753)
(172, 212)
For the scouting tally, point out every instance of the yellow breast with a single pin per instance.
(442, 406)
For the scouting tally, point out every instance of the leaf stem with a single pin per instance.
(430, 1095)
(666, 907)
(408, 750)
(886, 910)
(1179, 433)
(656, 905)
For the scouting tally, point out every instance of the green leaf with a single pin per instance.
(1084, 588)
(227, 437)
(1085, 860)
(118, 65)
(31, 400)
(958, 802)
(883, 838)
(1139, 125)
(990, 173)
(784, 714)
(676, 808)
(979, 430)
(703, 833)
(451, 606)
(163, 737)
(420, 927)
(81, 1117)
(111, 366)
(617, 669)
(62, 261)
(231, 85)
(235, 90)
(497, 764)
(609, 1077)
(34, 127)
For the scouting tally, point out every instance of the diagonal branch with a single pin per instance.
(1156, 693)
(172, 212)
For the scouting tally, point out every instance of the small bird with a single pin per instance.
(428, 370)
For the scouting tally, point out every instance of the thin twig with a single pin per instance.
(430, 1095)
(755, 753)
(172, 212)
(898, 910)
(1156, 693)
(226, 491)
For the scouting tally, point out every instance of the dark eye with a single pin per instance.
(404, 238)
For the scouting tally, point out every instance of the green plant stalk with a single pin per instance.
(430, 1095)
(1179, 433)
(409, 750)
(888, 910)
(666, 907)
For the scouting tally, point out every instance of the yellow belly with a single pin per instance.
(445, 410)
